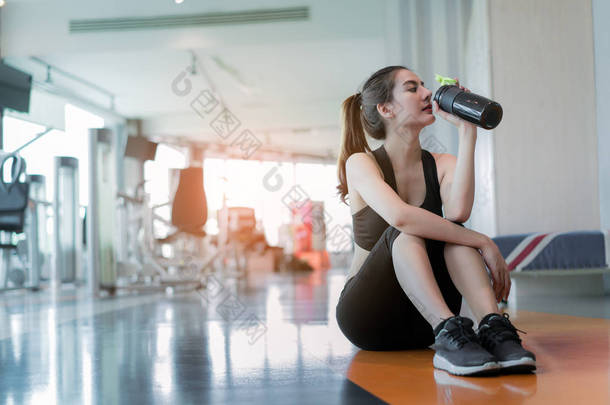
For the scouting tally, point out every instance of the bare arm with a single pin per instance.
(457, 184)
(362, 174)
(425, 224)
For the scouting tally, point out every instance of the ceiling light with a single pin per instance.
(177, 1)
(2, 3)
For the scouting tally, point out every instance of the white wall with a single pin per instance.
(477, 74)
(546, 160)
(538, 170)
(601, 41)
(451, 38)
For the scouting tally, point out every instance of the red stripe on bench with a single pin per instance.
(526, 251)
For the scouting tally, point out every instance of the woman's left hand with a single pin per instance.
(454, 119)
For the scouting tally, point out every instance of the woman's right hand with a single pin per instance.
(498, 269)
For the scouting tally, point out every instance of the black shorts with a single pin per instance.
(374, 312)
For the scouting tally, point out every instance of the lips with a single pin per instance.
(428, 108)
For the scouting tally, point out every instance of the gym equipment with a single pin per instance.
(140, 148)
(239, 224)
(67, 230)
(137, 264)
(189, 205)
(101, 225)
(17, 216)
(192, 247)
(38, 195)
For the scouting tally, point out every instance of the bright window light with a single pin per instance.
(39, 156)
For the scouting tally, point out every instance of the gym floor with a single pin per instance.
(276, 343)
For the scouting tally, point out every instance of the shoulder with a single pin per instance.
(361, 162)
(356, 158)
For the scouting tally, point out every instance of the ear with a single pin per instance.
(385, 110)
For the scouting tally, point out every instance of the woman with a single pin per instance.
(411, 266)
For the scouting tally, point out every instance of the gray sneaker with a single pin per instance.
(498, 335)
(458, 350)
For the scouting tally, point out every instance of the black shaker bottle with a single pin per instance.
(471, 107)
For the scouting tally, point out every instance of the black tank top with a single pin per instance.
(368, 225)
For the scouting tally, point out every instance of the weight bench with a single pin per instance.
(556, 263)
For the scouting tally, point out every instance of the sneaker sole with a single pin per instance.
(522, 365)
(442, 363)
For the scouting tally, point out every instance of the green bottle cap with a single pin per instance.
(444, 80)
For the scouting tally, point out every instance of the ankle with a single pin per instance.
(488, 315)
(436, 326)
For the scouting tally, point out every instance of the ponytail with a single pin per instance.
(353, 139)
(360, 117)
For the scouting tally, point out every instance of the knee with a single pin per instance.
(408, 241)
(453, 249)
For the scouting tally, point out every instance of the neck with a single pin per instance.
(403, 149)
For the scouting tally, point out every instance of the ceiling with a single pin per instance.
(284, 81)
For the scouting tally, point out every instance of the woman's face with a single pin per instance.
(409, 101)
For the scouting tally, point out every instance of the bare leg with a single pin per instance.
(415, 275)
(467, 270)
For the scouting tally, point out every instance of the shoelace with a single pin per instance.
(500, 331)
(462, 335)
(505, 315)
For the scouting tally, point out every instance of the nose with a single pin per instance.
(428, 95)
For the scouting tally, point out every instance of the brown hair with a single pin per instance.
(359, 114)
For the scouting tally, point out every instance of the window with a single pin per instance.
(40, 155)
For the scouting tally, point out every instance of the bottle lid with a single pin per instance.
(444, 80)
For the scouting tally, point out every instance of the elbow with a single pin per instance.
(465, 215)
(457, 220)
(460, 217)
(455, 213)
(400, 219)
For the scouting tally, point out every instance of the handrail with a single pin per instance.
(37, 137)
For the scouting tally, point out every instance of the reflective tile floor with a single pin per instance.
(272, 342)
